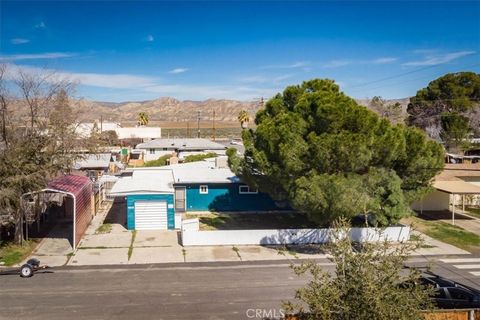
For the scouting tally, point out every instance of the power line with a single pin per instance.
(404, 74)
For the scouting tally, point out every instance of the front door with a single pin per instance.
(180, 199)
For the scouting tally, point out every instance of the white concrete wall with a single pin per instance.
(191, 236)
(139, 132)
(435, 201)
(178, 221)
(154, 156)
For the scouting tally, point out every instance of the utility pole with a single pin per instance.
(101, 124)
(188, 129)
(213, 125)
(198, 124)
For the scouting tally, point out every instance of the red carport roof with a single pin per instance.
(69, 183)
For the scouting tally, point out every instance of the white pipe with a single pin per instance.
(453, 211)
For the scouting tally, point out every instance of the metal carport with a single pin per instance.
(79, 188)
(457, 187)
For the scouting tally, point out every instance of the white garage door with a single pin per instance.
(151, 215)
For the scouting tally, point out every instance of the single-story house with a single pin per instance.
(457, 185)
(145, 133)
(157, 197)
(182, 147)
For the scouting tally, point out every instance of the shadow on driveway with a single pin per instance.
(117, 213)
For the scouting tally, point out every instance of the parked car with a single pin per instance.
(450, 294)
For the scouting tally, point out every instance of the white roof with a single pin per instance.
(182, 144)
(139, 132)
(85, 129)
(195, 172)
(98, 160)
(144, 182)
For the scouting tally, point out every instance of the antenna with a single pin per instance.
(213, 125)
(198, 124)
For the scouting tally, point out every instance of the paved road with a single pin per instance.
(193, 291)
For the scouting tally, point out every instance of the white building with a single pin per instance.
(144, 133)
(183, 147)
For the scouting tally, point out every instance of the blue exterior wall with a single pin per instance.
(225, 197)
(152, 197)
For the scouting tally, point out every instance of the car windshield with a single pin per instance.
(443, 282)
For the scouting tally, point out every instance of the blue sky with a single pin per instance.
(124, 51)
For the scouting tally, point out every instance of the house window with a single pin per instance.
(151, 151)
(164, 149)
(244, 189)
(203, 189)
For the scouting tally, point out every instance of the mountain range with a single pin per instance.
(167, 110)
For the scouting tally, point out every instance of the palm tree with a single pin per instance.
(244, 118)
(142, 119)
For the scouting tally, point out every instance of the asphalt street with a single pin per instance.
(174, 291)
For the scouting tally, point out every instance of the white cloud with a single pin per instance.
(297, 64)
(431, 59)
(115, 81)
(337, 63)
(178, 70)
(150, 38)
(265, 79)
(34, 56)
(19, 41)
(40, 25)
(384, 60)
(141, 84)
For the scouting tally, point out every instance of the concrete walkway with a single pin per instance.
(55, 249)
(122, 246)
(435, 247)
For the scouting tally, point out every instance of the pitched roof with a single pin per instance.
(99, 160)
(182, 144)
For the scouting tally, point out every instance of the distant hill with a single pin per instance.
(170, 110)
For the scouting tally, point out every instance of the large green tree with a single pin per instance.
(318, 150)
(456, 94)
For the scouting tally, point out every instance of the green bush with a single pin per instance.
(200, 157)
(162, 161)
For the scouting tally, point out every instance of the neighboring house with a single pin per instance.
(156, 195)
(123, 133)
(85, 129)
(97, 164)
(144, 133)
(457, 185)
(182, 147)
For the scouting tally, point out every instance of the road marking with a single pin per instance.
(475, 273)
(467, 266)
(460, 260)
